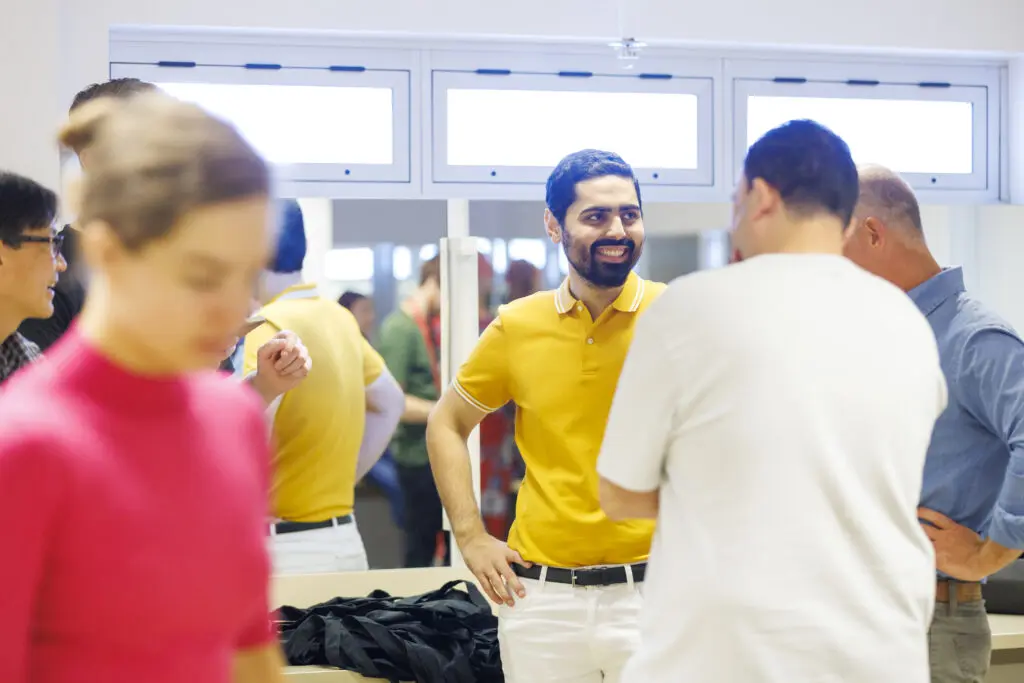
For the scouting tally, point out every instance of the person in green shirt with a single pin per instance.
(407, 347)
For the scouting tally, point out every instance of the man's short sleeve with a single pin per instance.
(483, 380)
(373, 364)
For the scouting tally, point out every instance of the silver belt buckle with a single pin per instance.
(572, 575)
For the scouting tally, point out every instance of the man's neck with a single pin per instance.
(916, 266)
(811, 237)
(9, 323)
(596, 299)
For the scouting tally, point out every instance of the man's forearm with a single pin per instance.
(417, 410)
(993, 557)
(266, 394)
(449, 460)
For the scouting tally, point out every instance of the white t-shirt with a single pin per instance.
(783, 407)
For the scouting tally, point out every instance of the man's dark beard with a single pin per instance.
(597, 273)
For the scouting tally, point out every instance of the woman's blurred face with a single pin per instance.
(184, 298)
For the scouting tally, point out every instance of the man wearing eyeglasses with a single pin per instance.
(30, 265)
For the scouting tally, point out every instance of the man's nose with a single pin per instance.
(616, 230)
(62, 263)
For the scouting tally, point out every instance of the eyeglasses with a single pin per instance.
(55, 242)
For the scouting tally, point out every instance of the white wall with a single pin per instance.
(30, 111)
(64, 43)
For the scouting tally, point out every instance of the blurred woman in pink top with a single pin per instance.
(132, 478)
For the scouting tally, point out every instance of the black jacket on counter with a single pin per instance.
(445, 636)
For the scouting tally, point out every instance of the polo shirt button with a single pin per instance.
(579, 307)
(590, 340)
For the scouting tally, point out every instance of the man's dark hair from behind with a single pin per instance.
(116, 87)
(810, 167)
(24, 204)
(577, 168)
(349, 298)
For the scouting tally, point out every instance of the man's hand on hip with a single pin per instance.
(958, 549)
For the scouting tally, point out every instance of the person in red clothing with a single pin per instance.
(133, 477)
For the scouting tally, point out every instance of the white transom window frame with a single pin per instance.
(979, 85)
(421, 56)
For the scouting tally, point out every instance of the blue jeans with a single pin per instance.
(385, 475)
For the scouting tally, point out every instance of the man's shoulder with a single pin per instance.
(397, 321)
(969, 315)
(532, 308)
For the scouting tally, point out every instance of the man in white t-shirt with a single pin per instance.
(773, 416)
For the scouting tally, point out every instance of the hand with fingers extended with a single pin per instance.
(490, 560)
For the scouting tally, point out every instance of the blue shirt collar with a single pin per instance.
(930, 294)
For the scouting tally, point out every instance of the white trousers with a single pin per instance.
(564, 634)
(336, 548)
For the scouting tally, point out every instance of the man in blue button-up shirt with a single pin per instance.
(972, 502)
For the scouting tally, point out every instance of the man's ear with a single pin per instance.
(551, 227)
(876, 231)
(762, 199)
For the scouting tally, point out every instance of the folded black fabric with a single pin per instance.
(445, 636)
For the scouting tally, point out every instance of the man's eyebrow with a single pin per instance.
(609, 209)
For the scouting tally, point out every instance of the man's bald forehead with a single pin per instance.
(884, 191)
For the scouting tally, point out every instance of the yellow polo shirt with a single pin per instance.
(560, 366)
(318, 426)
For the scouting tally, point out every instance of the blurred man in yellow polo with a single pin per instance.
(568, 578)
(330, 430)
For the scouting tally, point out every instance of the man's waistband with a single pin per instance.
(585, 576)
(964, 591)
(291, 527)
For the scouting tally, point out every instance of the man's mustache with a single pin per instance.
(629, 244)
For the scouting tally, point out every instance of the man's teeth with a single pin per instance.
(611, 251)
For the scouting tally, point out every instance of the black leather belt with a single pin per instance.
(597, 576)
(291, 527)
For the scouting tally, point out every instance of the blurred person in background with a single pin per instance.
(144, 471)
(521, 279)
(384, 473)
(361, 306)
(330, 430)
(407, 344)
(69, 293)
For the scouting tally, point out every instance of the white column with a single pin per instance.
(460, 318)
(318, 215)
(1015, 130)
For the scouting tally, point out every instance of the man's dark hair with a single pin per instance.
(577, 168)
(24, 205)
(809, 166)
(116, 87)
(349, 298)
